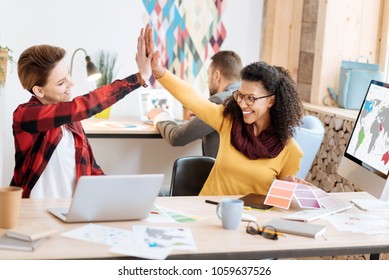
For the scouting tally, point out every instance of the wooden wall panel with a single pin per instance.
(282, 30)
(383, 35)
(347, 29)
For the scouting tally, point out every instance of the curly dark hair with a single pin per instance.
(287, 111)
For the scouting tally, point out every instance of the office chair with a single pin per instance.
(309, 136)
(189, 175)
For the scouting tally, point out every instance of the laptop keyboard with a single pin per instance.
(314, 214)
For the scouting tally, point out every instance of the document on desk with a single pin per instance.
(121, 125)
(100, 234)
(155, 98)
(156, 242)
(165, 215)
(355, 222)
(178, 238)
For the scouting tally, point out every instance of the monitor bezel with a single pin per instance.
(353, 158)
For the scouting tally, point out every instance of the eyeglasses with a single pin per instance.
(268, 232)
(250, 100)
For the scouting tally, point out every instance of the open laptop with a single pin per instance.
(111, 198)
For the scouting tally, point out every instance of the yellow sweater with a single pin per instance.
(233, 173)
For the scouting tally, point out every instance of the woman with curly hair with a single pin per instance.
(255, 126)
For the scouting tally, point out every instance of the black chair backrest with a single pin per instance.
(189, 175)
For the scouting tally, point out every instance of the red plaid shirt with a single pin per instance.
(37, 131)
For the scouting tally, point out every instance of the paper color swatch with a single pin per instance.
(281, 194)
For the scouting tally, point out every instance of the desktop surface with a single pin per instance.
(119, 127)
(212, 241)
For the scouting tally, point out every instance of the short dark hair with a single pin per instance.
(35, 64)
(287, 111)
(228, 63)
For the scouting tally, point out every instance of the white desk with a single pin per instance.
(119, 127)
(213, 242)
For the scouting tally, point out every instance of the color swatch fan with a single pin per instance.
(281, 194)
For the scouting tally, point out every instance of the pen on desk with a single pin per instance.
(211, 202)
(272, 232)
(216, 203)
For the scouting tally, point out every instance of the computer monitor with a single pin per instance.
(366, 159)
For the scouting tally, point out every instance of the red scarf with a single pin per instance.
(266, 145)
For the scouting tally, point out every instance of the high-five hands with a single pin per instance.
(157, 69)
(142, 58)
(149, 39)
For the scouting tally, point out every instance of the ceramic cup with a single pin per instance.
(10, 199)
(230, 212)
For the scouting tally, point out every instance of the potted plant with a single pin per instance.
(106, 63)
(5, 57)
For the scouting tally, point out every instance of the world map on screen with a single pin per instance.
(370, 140)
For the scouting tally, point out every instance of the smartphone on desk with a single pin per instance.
(256, 201)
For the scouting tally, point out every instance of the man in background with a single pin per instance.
(223, 80)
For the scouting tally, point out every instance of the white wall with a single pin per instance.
(116, 25)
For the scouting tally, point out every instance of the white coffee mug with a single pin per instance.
(230, 212)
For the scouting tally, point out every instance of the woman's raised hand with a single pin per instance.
(142, 58)
(157, 69)
(149, 40)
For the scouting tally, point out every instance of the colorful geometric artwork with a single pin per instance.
(186, 34)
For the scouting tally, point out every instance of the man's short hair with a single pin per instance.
(228, 63)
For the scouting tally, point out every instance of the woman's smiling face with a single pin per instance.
(58, 85)
(257, 113)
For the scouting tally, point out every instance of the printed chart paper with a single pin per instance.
(156, 242)
(121, 125)
(356, 222)
(156, 98)
(165, 215)
(100, 234)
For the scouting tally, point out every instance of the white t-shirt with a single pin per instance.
(59, 177)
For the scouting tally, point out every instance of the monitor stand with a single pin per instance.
(374, 204)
